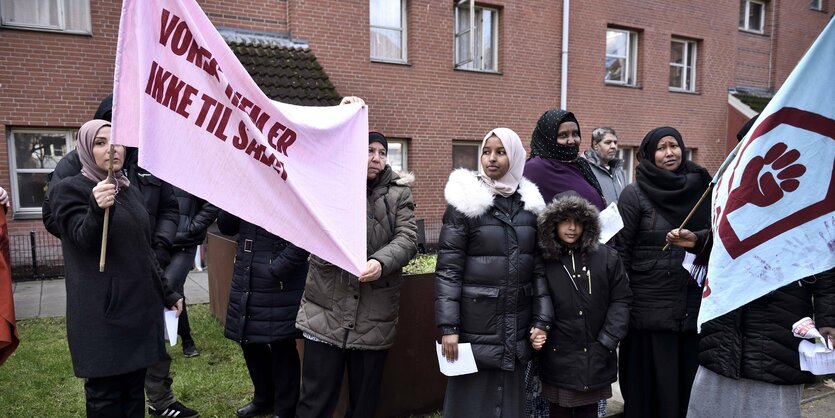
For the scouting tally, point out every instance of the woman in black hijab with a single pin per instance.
(555, 166)
(658, 355)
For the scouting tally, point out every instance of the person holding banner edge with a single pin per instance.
(350, 320)
(658, 355)
(114, 321)
(748, 360)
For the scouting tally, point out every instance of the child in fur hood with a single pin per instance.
(490, 285)
(590, 294)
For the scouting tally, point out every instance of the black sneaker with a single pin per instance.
(176, 409)
(189, 350)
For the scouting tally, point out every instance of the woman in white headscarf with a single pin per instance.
(490, 287)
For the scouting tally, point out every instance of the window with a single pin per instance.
(388, 30)
(621, 56)
(34, 154)
(628, 157)
(816, 5)
(465, 155)
(752, 16)
(398, 155)
(476, 37)
(53, 15)
(683, 65)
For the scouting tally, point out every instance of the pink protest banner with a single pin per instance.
(202, 124)
(774, 208)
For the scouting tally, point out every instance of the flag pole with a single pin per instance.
(106, 214)
(713, 182)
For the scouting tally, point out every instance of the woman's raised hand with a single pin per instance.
(105, 194)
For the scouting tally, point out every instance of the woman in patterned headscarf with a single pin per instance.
(555, 166)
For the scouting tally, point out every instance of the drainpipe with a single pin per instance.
(771, 83)
(564, 69)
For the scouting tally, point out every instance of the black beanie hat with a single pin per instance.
(105, 110)
(378, 137)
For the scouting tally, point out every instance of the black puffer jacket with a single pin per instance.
(490, 285)
(591, 318)
(755, 341)
(196, 215)
(267, 284)
(665, 297)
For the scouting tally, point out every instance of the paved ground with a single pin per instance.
(48, 298)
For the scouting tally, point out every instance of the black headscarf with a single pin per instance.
(544, 144)
(673, 193)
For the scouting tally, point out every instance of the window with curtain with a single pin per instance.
(683, 65)
(476, 37)
(465, 155)
(34, 153)
(398, 155)
(388, 30)
(71, 16)
(621, 56)
(752, 16)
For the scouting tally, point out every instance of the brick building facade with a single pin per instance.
(434, 110)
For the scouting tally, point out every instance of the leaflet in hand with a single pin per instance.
(610, 222)
(464, 365)
(817, 358)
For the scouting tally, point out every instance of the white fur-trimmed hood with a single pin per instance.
(472, 197)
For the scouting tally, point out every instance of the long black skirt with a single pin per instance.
(487, 393)
(657, 369)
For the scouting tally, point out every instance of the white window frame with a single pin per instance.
(746, 12)
(627, 154)
(28, 211)
(688, 68)
(476, 146)
(474, 60)
(403, 35)
(816, 5)
(403, 144)
(60, 27)
(631, 69)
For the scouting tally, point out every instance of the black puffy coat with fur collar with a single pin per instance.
(590, 293)
(490, 285)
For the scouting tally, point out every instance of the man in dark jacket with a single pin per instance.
(196, 215)
(163, 211)
(607, 168)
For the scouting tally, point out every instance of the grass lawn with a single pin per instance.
(38, 381)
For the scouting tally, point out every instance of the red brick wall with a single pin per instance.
(54, 80)
(433, 104)
(797, 27)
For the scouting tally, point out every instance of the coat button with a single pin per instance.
(585, 388)
(356, 296)
(585, 349)
(350, 325)
(580, 313)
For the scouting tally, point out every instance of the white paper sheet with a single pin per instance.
(816, 358)
(171, 323)
(610, 222)
(464, 365)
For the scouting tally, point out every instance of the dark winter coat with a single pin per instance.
(114, 318)
(157, 195)
(490, 285)
(336, 307)
(664, 296)
(267, 284)
(755, 341)
(591, 318)
(196, 215)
